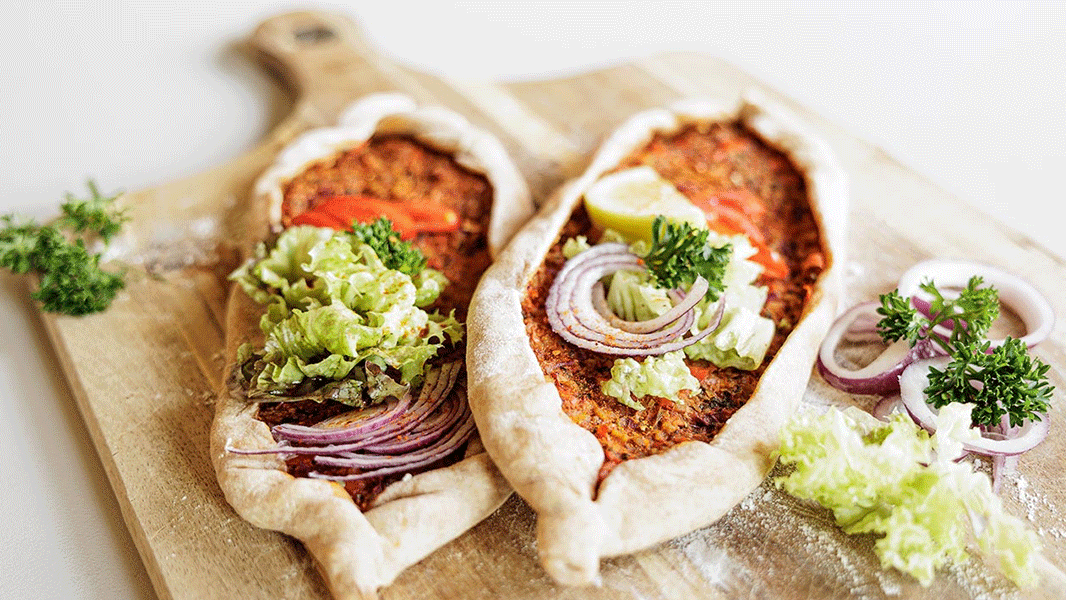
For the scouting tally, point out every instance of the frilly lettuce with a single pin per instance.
(575, 245)
(741, 340)
(663, 376)
(744, 335)
(283, 271)
(894, 480)
(333, 307)
(633, 297)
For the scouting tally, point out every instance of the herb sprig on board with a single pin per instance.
(71, 280)
(680, 253)
(1001, 381)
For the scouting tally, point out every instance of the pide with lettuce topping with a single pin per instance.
(344, 421)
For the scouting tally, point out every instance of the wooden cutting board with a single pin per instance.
(145, 372)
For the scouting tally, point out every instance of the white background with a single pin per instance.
(135, 94)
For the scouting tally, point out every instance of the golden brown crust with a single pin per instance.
(358, 553)
(554, 463)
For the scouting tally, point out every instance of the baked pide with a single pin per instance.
(629, 371)
(343, 421)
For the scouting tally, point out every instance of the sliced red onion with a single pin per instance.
(344, 428)
(881, 376)
(573, 311)
(912, 384)
(427, 457)
(356, 426)
(1025, 300)
(886, 407)
(863, 329)
(410, 422)
(1002, 466)
(400, 435)
(439, 381)
(427, 432)
(688, 301)
(373, 461)
(573, 314)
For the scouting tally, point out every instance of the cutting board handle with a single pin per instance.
(324, 57)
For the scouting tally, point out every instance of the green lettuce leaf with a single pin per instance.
(895, 481)
(429, 283)
(575, 245)
(632, 296)
(283, 271)
(662, 376)
(741, 340)
(333, 308)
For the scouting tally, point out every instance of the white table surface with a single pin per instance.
(135, 94)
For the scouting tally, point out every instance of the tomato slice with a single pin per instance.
(773, 264)
(318, 219)
(735, 211)
(409, 217)
(742, 201)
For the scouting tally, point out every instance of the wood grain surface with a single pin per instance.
(144, 373)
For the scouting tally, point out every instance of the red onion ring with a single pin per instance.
(880, 376)
(403, 435)
(351, 427)
(344, 428)
(424, 458)
(572, 310)
(678, 310)
(1025, 300)
(573, 314)
(912, 384)
(886, 407)
(427, 432)
(910, 368)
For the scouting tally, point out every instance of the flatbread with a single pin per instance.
(552, 462)
(359, 552)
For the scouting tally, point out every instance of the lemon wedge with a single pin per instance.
(628, 202)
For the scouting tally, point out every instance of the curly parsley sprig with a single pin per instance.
(71, 280)
(395, 253)
(95, 215)
(680, 253)
(1004, 381)
(969, 315)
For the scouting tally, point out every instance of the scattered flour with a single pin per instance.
(772, 545)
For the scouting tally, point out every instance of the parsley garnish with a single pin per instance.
(969, 316)
(680, 253)
(96, 214)
(1003, 381)
(71, 281)
(395, 253)
(1008, 382)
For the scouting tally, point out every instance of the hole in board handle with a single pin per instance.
(315, 34)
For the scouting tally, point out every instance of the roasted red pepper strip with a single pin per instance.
(409, 218)
(730, 214)
(319, 219)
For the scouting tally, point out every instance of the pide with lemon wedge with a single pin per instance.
(343, 421)
(636, 349)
